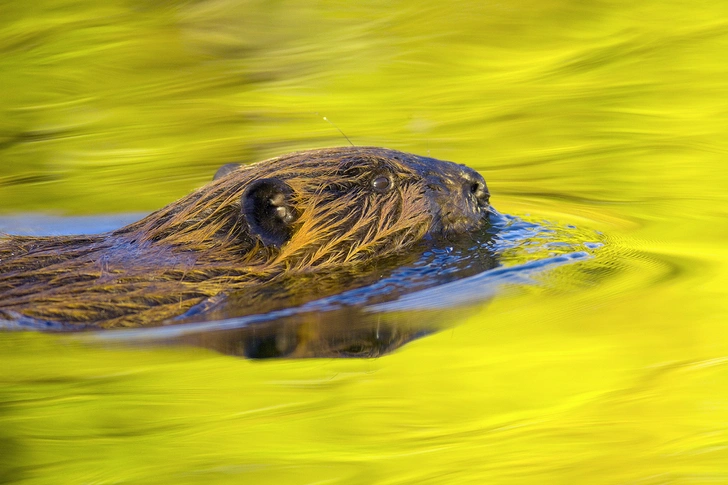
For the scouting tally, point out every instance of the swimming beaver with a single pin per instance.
(313, 212)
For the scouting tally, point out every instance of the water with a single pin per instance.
(606, 116)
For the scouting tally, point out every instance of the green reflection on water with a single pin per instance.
(608, 115)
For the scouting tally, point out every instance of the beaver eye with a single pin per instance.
(381, 184)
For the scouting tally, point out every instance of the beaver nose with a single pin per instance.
(475, 185)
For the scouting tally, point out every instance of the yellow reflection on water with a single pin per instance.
(609, 116)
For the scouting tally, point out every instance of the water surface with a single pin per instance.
(609, 117)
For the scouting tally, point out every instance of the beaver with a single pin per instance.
(318, 212)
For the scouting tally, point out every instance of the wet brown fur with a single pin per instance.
(200, 246)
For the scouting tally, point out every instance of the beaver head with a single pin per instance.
(319, 210)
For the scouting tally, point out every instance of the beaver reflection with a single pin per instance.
(332, 214)
(347, 332)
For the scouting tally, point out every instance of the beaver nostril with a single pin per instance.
(480, 192)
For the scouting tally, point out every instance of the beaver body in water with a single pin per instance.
(319, 212)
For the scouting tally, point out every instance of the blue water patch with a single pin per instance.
(53, 225)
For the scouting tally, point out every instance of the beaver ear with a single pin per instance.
(267, 208)
(225, 169)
